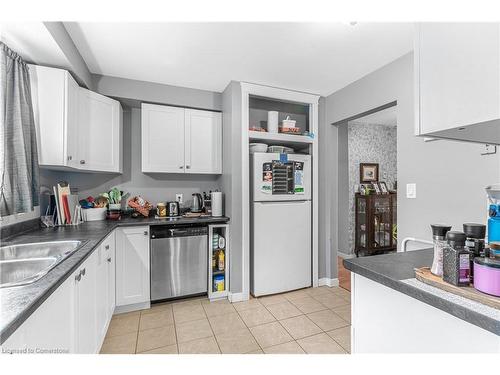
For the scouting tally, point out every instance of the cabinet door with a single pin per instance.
(54, 94)
(203, 141)
(132, 265)
(51, 326)
(101, 294)
(458, 74)
(162, 141)
(109, 247)
(71, 117)
(100, 132)
(86, 328)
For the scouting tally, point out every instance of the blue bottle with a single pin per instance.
(494, 223)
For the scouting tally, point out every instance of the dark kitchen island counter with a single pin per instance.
(396, 271)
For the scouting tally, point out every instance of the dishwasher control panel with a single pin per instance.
(167, 231)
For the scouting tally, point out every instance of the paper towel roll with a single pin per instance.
(272, 121)
(216, 198)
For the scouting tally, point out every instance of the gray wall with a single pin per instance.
(139, 91)
(450, 176)
(231, 179)
(328, 170)
(343, 189)
(153, 187)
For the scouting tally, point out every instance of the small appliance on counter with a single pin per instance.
(173, 209)
(197, 205)
(439, 238)
(487, 275)
(456, 260)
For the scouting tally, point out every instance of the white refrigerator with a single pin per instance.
(280, 246)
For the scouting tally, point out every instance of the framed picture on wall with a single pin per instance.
(368, 172)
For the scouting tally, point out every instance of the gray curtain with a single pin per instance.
(18, 150)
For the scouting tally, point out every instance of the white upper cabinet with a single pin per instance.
(179, 140)
(202, 141)
(54, 94)
(457, 73)
(100, 132)
(162, 138)
(76, 128)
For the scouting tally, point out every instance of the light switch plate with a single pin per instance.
(179, 198)
(411, 191)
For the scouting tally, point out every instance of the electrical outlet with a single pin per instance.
(411, 191)
(179, 198)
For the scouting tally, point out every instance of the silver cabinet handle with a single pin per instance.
(82, 161)
(83, 272)
(79, 276)
(188, 166)
(70, 157)
(106, 247)
(109, 260)
(181, 167)
(146, 232)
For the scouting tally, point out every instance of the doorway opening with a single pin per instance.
(367, 155)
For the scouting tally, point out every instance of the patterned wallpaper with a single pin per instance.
(369, 143)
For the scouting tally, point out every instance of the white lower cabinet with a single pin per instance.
(85, 279)
(132, 267)
(105, 286)
(50, 327)
(76, 316)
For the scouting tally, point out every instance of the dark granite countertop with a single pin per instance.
(397, 272)
(18, 303)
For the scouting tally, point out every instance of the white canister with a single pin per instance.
(216, 198)
(272, 121)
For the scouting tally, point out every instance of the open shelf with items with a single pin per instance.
(218, 261)
(258, 108)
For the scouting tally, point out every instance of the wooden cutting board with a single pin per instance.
(425, 275)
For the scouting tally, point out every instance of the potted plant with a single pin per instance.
(114, 199)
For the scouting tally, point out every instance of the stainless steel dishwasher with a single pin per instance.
(179, 261)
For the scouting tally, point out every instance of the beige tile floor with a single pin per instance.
(312, 320)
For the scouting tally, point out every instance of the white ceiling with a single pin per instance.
(34, 43)
(312, 57)
(387, 117)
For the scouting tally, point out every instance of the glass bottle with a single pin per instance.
(439, 238)
(456, 260)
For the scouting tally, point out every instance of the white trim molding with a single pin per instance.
(237, 297)
(324, 281)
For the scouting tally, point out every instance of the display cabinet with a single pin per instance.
(375, 223)
(218, 261)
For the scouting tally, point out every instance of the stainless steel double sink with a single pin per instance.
(26, 263)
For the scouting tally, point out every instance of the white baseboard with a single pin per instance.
(132, 307)
(237, 297)
(328, 282)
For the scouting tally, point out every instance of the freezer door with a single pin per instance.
(281, 247)
(269, 185)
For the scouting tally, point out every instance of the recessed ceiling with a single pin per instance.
(387, 117)
(312, 57)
